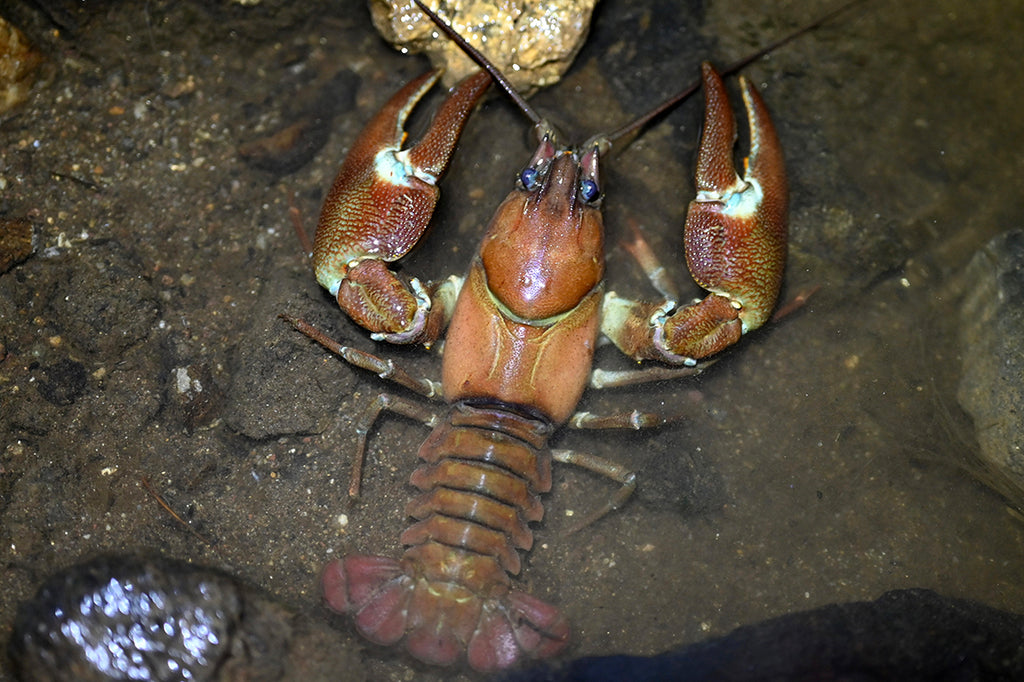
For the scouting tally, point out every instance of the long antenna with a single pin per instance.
(630, 129)
(483, 62)
(634, 127)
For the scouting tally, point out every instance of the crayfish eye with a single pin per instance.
(589, 191)
(529, 178)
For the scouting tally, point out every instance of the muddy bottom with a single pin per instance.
(823, 459)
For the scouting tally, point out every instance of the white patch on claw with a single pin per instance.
(746, 203)
(708, 197)
(395, 168)
(658, 320)
(332, 284)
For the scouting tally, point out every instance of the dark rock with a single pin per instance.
(298, 140)
(63, 382)
(104, 304)
(904, 635)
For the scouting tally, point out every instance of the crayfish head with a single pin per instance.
(544, 249)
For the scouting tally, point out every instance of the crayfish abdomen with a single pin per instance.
(484, 469)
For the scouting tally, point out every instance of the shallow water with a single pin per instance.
(821, 460)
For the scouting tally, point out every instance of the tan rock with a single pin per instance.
(18, 62)
(533, 43)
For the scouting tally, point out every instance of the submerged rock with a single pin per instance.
(128, 619)
(134, 618)
(991, 328)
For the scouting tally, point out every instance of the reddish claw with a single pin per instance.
(379, 207)
(735, 228)
(735, 239)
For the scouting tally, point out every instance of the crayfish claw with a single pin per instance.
(735, 241)
(380, 206)
(736, 228)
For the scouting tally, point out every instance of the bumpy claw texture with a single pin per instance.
(441, 621)
(381, 204)
(735, 239)
(736, 228)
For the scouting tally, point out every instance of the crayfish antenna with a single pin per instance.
(624, 135)
(484, 63)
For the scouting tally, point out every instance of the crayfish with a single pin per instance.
(519, 331)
